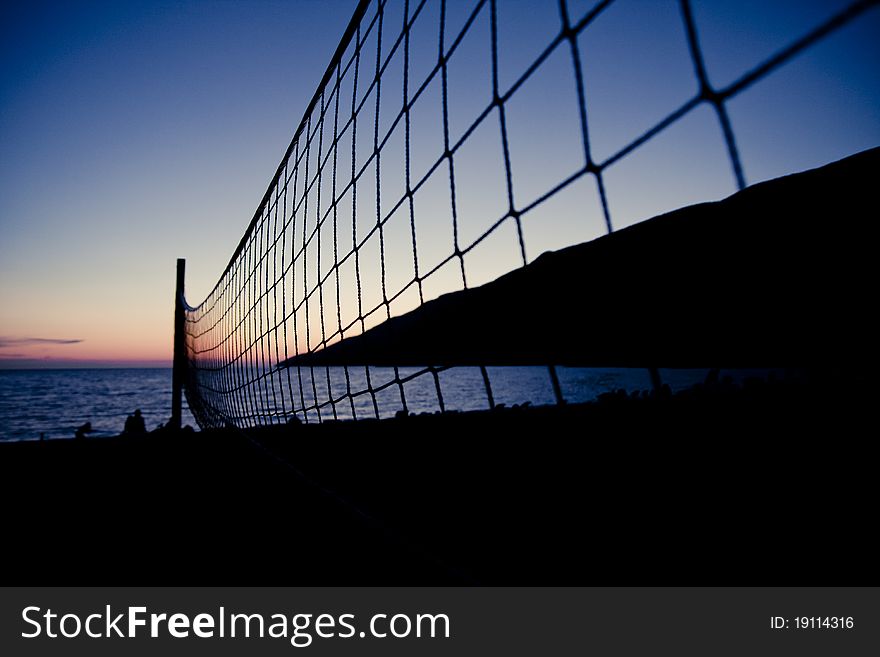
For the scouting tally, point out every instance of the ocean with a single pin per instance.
(56, 402)
(53, 403)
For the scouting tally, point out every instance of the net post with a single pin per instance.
(656, 379)
(179, 365)
(557, 389)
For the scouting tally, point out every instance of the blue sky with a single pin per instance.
(133, 133)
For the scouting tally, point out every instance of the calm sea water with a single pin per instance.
(56, 402)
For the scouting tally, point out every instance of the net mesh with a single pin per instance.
(406, 179)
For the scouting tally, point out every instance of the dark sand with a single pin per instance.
(770, 484)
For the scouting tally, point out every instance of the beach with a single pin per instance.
(693, 488)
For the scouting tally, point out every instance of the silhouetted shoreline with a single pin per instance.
(717, 484)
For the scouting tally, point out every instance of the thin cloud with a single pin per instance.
(6, 342)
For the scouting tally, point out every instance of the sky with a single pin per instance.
(135, 133)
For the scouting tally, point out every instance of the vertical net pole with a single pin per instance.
(178, 373)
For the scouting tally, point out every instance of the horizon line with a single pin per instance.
(13, 364)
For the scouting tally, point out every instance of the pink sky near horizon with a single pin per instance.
(132, 134)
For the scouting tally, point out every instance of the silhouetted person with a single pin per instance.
(712, 377)
(81, 431)
(135, 423)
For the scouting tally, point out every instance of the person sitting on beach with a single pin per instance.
(135, 423)
(81, 431)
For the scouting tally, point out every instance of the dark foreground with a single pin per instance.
(767, 484)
